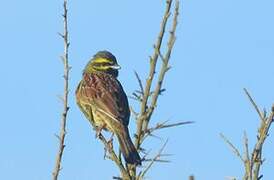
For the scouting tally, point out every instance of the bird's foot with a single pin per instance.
(110, 141)
(99, 131)
(105, 152)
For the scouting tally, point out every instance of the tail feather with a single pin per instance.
(127, 147)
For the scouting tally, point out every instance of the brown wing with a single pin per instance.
(106, 93)
(83, 101)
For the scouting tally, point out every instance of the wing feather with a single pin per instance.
(106, 93)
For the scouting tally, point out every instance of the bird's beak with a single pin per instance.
(116, 66)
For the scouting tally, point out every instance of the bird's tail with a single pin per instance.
(127, 147)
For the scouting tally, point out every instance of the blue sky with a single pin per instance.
(221, 47)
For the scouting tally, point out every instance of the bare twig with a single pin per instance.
(256, 156)
(165, 67)
(117, 159)
(156, 158)
(62, 133)
(163, 125)
(233, 148)
(147, 96)
(153, 63)
(252, 162)
(254, 104)
(247, 163)
(140, 83)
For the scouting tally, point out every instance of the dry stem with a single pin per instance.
(153, 63)
(155, 159)
(148, 97)
(118, 161)
(62, 133)
(147, 109)
(252, 162)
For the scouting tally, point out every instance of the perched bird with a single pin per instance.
(102, 99)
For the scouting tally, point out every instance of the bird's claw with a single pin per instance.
(98, 131)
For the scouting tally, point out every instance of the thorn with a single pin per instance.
(60, 98)
(57, 136)
(105, 153)
(62, 58)
(142, 149)
(135, 136)
(161, 91)
(156, 137)
(60, 34)
(168, 68)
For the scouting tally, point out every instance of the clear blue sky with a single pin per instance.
(221, 47)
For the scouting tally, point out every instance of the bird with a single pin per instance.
(101, 98)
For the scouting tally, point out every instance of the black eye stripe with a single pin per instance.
(102, 64)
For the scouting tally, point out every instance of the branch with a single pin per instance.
(155, 159)
(153, 63)
(165, 66)
(140, 83)
(252, 162)
(233, 148)
(247, 163)
(146, 95)
(254, 104)
(163, 125)
(62, 133)
(115, 158)
(256, 157)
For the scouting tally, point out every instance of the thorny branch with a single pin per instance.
(147, 95)
(147, 109)
(163, 125)
(153, 62)
(155, 159)
(62, 134)
(165, 66)
(233, 148)
(252, 161)
(118, 161)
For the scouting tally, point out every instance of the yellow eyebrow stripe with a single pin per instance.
(101, 60)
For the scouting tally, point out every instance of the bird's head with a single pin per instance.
(103, 61)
